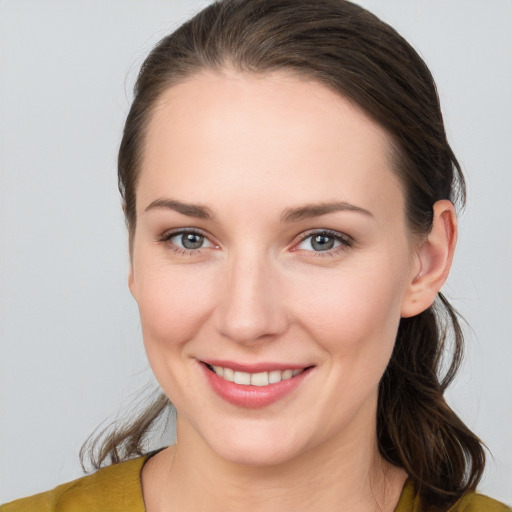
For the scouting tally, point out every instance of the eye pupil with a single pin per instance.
(322, 242)
(192, 240)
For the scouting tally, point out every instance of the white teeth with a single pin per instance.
(274, 376)
(259, 379)
(255, 379)
(287, 374)
(228, 374)
(242, 378)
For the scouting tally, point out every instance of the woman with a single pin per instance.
(288, 190)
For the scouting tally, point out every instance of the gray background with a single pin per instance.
(71, 352)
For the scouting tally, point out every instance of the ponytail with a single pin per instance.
(417, 430)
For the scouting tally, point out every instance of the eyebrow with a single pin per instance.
(289, 214)
(190, 210)
(316, 210)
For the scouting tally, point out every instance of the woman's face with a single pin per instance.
(271, 242)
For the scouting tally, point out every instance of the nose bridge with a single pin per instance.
(251, 306)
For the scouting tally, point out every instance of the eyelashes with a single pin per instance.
(324, 242)
(318, 242)
(186, 241)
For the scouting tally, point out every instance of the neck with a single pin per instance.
(335, 476)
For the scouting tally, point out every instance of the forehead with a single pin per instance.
(233, 132)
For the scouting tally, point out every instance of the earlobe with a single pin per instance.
(434, 257)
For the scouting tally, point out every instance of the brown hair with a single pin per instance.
(348, 49)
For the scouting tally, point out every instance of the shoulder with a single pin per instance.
(470, 502)
(113, 488)
(475, 502)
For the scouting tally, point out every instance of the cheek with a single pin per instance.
(173, 304)
(355, 310)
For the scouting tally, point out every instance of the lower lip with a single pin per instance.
(253, 397)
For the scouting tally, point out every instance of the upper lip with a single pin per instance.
(254, 367)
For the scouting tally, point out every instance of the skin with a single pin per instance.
(249, 149)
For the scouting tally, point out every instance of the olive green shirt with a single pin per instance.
(117, 488)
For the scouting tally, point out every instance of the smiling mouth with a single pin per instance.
(259, 379)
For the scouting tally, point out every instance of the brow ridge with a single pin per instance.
(188, 209)
(316, 210)
(289, 214)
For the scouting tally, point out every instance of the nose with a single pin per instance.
(251, 305)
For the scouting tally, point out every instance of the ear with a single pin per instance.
(434, 257)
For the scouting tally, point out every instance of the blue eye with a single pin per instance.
(188, 240)
(323, 241)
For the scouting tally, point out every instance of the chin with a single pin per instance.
(256, 445)
(257, 455)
